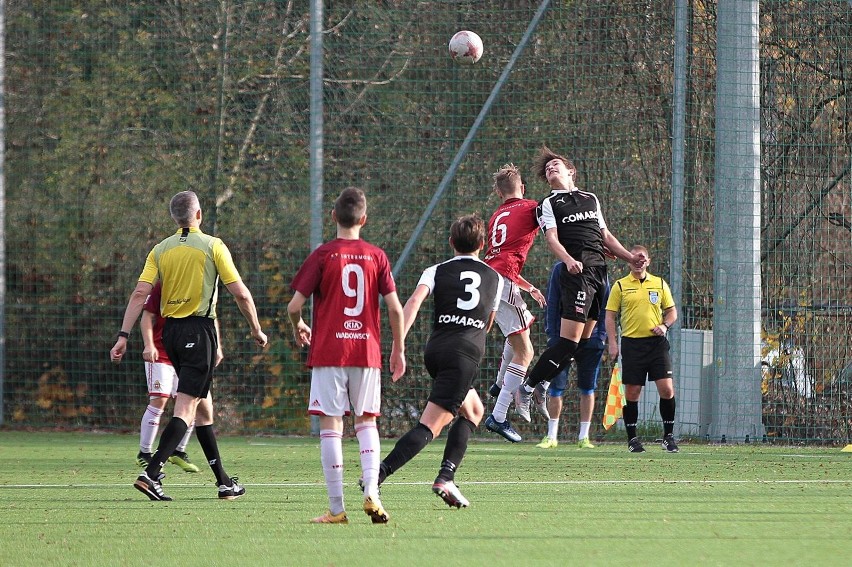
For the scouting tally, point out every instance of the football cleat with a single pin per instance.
(450, 493)
(150, 487)
(373, 508)
(231, 492)
(669, 444)
(548, 443)
(539, 400)
(329, 518)
(181, 459)
(503, 429)
(522, 403)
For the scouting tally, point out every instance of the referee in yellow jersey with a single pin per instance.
(190, 264)
(644, 304)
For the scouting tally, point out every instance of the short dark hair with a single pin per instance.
(507, 179)
(468, 234)
(546, 155)
(350, 206)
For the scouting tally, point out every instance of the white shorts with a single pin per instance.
(513, 315)
(162, 379)
(339, 391)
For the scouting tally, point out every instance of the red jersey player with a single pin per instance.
(346, 276)
(511, 232)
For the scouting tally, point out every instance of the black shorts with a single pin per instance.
(645, 358)
(581, 295)
(191, 345)
(452, 378)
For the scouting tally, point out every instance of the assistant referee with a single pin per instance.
(644, 304)
(190, 264)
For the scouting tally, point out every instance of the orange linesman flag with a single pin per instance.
(615, 399)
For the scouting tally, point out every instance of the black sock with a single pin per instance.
(383, 472)
(550, 363)
(207, 439)
(406, 448)
(630, 415)
(169, 439)
(583, 354)
(457, 438)
(667, 412)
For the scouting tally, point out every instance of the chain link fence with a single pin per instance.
(112, 108)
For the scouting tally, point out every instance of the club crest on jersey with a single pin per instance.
(654, 297)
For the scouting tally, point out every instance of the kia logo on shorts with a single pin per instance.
(352, 325)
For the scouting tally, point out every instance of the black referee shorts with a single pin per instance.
(582, 294)
(452, 378)
(191, 345)
(643, 358)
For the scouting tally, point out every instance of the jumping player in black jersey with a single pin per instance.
(467, 294)
(576, 233)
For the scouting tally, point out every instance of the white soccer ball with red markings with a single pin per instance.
(466, 47)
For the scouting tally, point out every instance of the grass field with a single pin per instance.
(66, 499)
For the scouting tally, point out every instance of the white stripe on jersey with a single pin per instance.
(547, 219)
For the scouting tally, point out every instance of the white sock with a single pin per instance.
(183, 442)
(508, 355)
(584, 429)
(514, 376)
(370, 449)
(331, 456)
(148, 428)
(553, 428)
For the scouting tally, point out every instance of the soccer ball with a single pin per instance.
(466, 47)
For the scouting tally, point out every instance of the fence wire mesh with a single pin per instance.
(113, 108)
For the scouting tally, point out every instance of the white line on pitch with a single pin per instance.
(469, 482)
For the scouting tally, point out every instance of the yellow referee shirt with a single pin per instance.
(640, 304)
(189, 263)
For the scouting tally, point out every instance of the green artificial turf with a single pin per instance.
(67, 499)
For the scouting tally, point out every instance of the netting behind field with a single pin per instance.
(113, 109)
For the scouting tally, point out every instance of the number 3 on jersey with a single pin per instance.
(472, 288)
(357, 292)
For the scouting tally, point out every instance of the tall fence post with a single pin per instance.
(678, 169)
(736, 395)
(316, 141)
(2, 201)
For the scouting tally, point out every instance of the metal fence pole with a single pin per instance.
(678, 168)
(316, 141)
(2, 201)
(736, 288)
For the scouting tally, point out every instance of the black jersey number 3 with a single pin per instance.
(472, 288)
